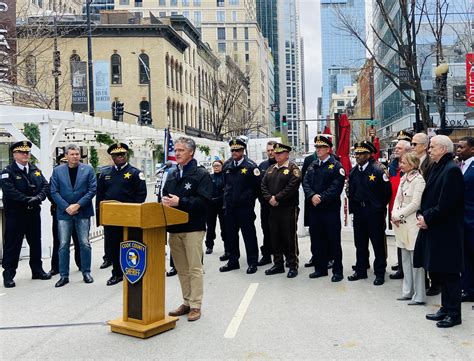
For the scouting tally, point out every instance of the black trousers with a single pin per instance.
(215, 211)
(467, 276)
(243, 219)
(266, 248)
(450, 292)
(75, 240)
(325, 233)
(369, 224)
(113, 236)
(18, 225)
(282, 225)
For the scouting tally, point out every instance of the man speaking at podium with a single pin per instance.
(189, 189)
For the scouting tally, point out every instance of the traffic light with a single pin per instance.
(115, 111)
(120, 108)
(145, 117)
(57, 59)
(283, 121)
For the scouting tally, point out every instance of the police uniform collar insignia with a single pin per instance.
(243, 170)
(256, 172)
(331, 166)
(127, 175)
(187, 186)
(372, 177)
(37, 173)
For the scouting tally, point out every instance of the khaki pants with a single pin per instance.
(186, 249)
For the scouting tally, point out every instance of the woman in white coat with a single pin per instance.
(407, 202)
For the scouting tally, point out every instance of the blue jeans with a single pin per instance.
(82, 226)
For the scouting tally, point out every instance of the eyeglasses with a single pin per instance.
(236, 150)
(414, 144)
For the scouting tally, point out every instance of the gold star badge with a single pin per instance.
(372, 178)
(286, 171)
(331, 166)
(244, 171)
(127, 175)
(37, 173)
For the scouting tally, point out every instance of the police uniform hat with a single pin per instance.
(280, 148)
(365, 147)
(118, 148)
(404, 135)
(23, 146)
(237, 144)
(322, 141)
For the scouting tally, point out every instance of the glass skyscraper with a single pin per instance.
(343, 56)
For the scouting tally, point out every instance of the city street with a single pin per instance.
(292, 319)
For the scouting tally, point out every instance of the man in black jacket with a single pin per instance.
(24, 188)
(323, 185)
(216, 210)
(121, 182)
(369, 195)
(242, 185)
(189, 189)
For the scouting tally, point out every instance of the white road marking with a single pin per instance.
(240, 313)
(2, 294)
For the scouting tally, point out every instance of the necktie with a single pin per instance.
(320, 163)
(25, 171)
(361, 169)
(462, 165)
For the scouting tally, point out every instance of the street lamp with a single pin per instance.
(148, 75)
(89, 59)
(441, 73)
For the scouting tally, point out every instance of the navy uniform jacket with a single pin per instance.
(242, 184)
(371, 187)
(124, 185)
(326, 180)
(218, 188)
(469, 200)
(18, 188)
(194, 189)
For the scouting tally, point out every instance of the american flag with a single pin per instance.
(170, 154)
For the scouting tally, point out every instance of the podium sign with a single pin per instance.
(143, 262)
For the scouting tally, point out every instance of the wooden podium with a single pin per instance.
(143, 301)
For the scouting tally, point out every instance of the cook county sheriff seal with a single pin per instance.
(133, 260)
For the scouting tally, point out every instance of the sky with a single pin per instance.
(310, 31)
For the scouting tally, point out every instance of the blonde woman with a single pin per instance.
(407, 202)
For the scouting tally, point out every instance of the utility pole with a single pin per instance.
(56, 65)
(89, 59)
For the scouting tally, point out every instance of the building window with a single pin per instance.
(246, 33)
(247, 58)
(340, 103)
(197, 2)
(143, 69)
(162, 3)
(186, 14)
(116, 69)
(185, 2)
(233, 2)
(246, 46)
(221, 48)
(236, 46)
(30, 74)
(138, 3)
(197, 18)
(220, 3)
(234, 16)
(162, 14)
(220, 33)
(220, 16)
(234, 33)
(174, 13)
(124, 2)
(167, 61)
(173, 2)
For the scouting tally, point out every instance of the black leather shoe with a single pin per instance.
(251, 270)
(62, 282)
(105, 264)
(53, 272)
(309, 263)
(357, 276)
(208, 250)
(433, 290)
(172, 272)
(88, 278)
(394, 267)
(229, 267)
(354, 267)
(397, 275)
(379, 281)
(330, 264)
(292, 273)
(337, 278)
(438, 316)
(224, 257)
(449, 322)
(317, 274)
(9, 283)
(274, 270)
(114, 280)
(41, 276)
(264, 261)
(467, 298)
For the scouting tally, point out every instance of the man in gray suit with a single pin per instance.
(73, 185)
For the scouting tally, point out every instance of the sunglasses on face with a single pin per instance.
(236, 150)
(414, 144)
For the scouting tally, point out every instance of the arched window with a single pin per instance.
(167, 61)
(116, 69)
(168, 110)
(186, 118)
(173, 114)
(176, 68)
(182, 116)
(181, 78)
(30, 73)
(144, 68)
(194, 59)
(186, 80)
(191, 90)
(172, 72)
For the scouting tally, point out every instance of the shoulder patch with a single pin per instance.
(256, 172)
(5, 175)
(385, 177)
(342, 172)
(141, 176)
(297, 172)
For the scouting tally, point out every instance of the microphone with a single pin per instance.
(165, 166)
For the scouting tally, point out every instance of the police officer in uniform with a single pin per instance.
(123, 183)
(369, 194)
(323, 185)
(24, 188)
(242, 185)
(280, 187)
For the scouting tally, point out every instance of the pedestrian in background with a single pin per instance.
(24, 189)
(439, 245)
(406, 204)
(73, 185)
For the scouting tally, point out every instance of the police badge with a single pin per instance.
(133, 260)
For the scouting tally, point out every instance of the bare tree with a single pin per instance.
(245, 124)
(403, 30)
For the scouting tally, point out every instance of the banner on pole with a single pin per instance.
(470, 79)
(79, 86)
(101, 86)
